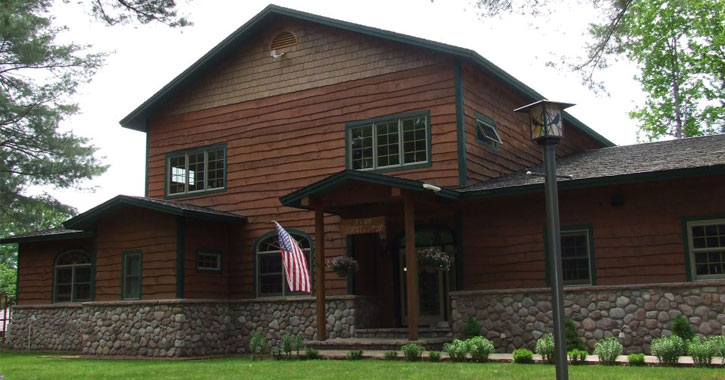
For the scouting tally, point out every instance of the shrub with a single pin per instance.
(457, 350)
(390, 355)
(720, 346)
(608, 349)
(635, 359)
(577, 356)
(668, 349)
(471, 328)
(285, 345)
(681, 327)
(702, 350)
(412, 352)
(298, 344)
(355, 355)
(480, 348)
(257, 345)
(573, 341)
(523, 356)
(312, 354)
(276, 353)
(545, 348)
(434, 356)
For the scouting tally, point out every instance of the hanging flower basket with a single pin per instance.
(435, 257)
(342, 265)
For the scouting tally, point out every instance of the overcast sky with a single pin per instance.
(145, 58)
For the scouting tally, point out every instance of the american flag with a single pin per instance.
(295, 264)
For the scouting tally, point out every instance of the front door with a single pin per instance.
(431, 293)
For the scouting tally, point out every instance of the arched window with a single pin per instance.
(270, 271)
(72, 277)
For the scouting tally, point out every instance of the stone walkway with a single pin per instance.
(685, 361)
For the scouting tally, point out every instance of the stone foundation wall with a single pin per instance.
(57, 328)
(635, 314)
(177, 328)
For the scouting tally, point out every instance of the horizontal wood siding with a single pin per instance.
(210, 237)
(324, 56)
(35, 277)
(482, 94)
(136, 229)
(639, 242)
(279, 144)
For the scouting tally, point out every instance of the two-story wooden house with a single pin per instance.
(376, 145)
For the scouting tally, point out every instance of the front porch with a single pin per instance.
(394, 218)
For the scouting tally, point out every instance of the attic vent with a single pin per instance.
(283, 40)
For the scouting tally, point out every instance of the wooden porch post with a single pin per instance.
(320, 272)
(411, 275)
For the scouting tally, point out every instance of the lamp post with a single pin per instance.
(547, 130)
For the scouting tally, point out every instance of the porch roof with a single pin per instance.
(86, 219)
(348, 176)
(46, 235)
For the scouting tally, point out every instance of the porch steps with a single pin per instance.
(401, 333)
(372, 344)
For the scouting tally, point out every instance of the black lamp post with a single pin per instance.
(546, 130)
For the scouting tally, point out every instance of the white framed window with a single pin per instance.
(207, 261)
(706, 242)
(270, 276)
(72, 277)
(390, 142)
(196, 171)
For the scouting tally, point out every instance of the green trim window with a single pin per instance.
(72, 277)
(487, 132)
(392, 142)
(196, 171)
(270, 271)
(706, 242)
(207, 261)
(576, 256)
(131, 275)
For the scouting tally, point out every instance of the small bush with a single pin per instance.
(471, 328)
(523, 356)
(355, 355)
(276, 353)
(257, 345)
(720, 344)
(480, 348)
(608, 349)
(412, 352)
(390, 355)
(577, 356)
(635, 359)
(457, 350)
(681, 327)
(434, 356)
(573, 340)
(545, 348)
(285, 345)
(312, 354)
(668, 349)
(298, 344)
(702, 350)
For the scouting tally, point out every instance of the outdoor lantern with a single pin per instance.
(545, 119)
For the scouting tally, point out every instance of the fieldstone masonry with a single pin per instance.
(634, 313)
(178, 328)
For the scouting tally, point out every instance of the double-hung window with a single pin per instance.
(131, 276)
(72, 277)
(196, 171)
(706, 239)
(390, 142)
(576, 260)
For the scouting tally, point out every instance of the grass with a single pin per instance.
(15, 365)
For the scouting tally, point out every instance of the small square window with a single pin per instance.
(208, 261)
(487, 133)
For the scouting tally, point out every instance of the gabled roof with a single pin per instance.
(88, 218)
(46, 235)
(621, 164)
(348, 176)
(137, 119)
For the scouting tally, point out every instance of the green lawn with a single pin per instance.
(14, 365)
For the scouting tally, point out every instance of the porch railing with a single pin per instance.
(5, 315)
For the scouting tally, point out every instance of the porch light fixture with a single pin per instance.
(546, 124)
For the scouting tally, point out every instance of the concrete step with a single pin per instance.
(402, 332)
(371, 344)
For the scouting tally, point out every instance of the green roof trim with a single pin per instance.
(346, 176)
(88, 218)
(138, 118)
(52, 236)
